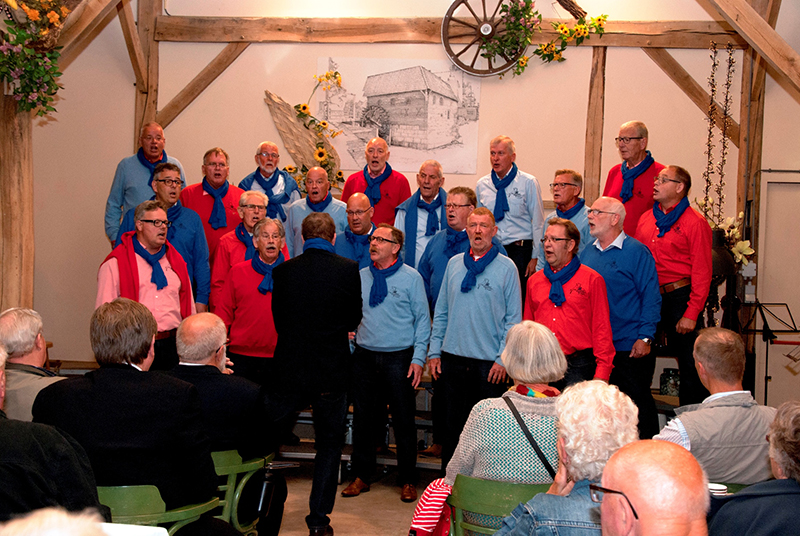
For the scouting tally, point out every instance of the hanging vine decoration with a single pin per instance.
(706, 205)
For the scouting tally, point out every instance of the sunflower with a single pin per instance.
(523, 61)
(581, 30)
(563, 29)
(304, 109)
(290, 170)
(323, 124)
(320, 154)
(557, 56)
(599, 21)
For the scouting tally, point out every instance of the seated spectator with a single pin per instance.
(726, 432)
(588, 434)
(768, 507)
(653, 488)
(40, 467)
(493, 445)
(21, 334)
(137, 427)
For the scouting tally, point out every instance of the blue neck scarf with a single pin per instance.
(379, 290)
(360, 245)
(476, 268)
(373, 190)
(431, 226)
(173, 213)
(218, 217)
(274, 208)
(455, 242)
(158, 277)
(318, 243)
(246, 239)
(569, 213)
(501, 200)
(265, 269)
(322, 205)
(629, 175)
(557, 279)
(149, 165)
(664, 222)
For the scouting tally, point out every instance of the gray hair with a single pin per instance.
(721, 351)
(248, 193)
(595, 420)
(198, 344)
(122, 331)
(275, 221)
(145, 207)
(435, 164)
(532, 354)
(784, 439)
(506, 141)
(19, 328)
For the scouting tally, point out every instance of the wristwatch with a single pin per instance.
(647, 340)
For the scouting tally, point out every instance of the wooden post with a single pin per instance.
(16, 198)
(593, 155)
(147, 100)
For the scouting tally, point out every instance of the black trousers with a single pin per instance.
(581, 366)
(633, 376)
(521, 255)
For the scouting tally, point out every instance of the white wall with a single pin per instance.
(544, 110)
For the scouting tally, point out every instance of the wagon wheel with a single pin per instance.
(466, 26)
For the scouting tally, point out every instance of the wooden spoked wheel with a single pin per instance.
(466, 26)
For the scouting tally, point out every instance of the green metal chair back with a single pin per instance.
(142, 505)
(228, 463)
(478, 506)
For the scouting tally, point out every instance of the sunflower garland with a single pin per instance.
(554, 50)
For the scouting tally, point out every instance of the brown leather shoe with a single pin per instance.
(356, 488)
(409, 493)
(321, 531)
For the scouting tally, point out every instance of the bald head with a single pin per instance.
(377, 153)
(606, 218)
(201, 339)
(359, 213)
(663, 482)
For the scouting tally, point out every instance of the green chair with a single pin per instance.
(143, 505)
(228, 463)
(479, 506)
(735, 488)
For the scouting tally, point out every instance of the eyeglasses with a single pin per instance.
(663, 180)
(216, 165)
(595, 211)
(224, 345)
(547, 239)
(254, 207)
(453, 206)
(627, 139)
(357, 213)
(381, 240)
(559, 185)
(597, 496)
(169, 182)
(158, 223)
(269, 155)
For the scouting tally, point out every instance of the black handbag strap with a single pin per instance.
(527, 433)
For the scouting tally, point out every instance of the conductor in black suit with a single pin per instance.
(137, 427)
(316, 303)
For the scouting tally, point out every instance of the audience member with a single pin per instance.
(316, 303)
(632, 180)
(280, 188)
(493, 444)
(55, 522)
(21, 335)
(725, 432)
(515, 198)
(137, 427)
(391, 344)
(566, 188)
(214, 199)
(628, 269)
(146, 268)
(768, 507)
(652, 488)
(185, 230)
(680, 240)
(319, 199)
(133, 179)
(384, 187)
(421, 224)
(40, 467)
(478, 303)
(238, 245)
(588, 434)
(353, 242)
(570, 299)
(245, 306)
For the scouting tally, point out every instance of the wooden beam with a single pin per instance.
(692, 89)
(593, 152)
(147, 101)
(200, 82)
(131, 35)
(79, 24)
(771, 9)
(762, 37)
(666, 34)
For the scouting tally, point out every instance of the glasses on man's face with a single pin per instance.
(158, 223)
(381, 240)
(453, 206)
(254, 207)
(547, 239)
(597, 496)
(595, 212)
(626, 139)
(560, 185)
(170, 182)
(661, 179)
(357, 213)
(216, 165)
(274, 156)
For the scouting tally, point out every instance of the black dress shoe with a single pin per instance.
(327, 530)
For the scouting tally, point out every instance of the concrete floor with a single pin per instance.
(377, 512)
